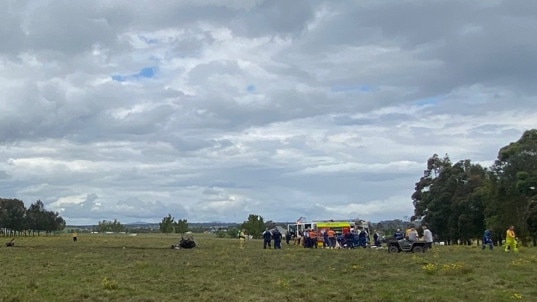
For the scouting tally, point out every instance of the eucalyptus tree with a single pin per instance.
(447, 198)
(515, 184)
(12, 212)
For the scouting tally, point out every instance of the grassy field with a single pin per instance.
(144, 268)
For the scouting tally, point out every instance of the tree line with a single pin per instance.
(170, 225)
(105, 226)
(16, 220)
(458, 201)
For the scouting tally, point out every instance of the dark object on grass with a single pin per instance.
(186, 242)
(396, 246)
(10, 243)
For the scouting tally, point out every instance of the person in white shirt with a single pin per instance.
(427, 236)
(413, 235)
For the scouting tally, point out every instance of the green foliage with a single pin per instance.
(14, 217)
(458, 201)
(221, 234)
(167, 224)
(110, 226)
(532, 220)
(254, 226)
(515, 175)
(448, 199)
(181, 226)
(233, 233)
(270, 224)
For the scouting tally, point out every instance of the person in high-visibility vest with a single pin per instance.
(313, 239)
(242, 238)
(331, 238)
(510, 240)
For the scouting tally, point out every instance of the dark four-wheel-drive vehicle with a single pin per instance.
(396, 246)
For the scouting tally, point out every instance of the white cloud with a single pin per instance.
(214, 110)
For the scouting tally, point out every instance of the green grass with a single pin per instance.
(144, 268)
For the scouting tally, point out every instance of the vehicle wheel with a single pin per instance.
(393, 249)
(418, 249)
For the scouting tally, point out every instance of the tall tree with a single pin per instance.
(181, 226)
(110, 226)
(447, 199)
(167, 224)
(532, 221)
(515, 185)
(36, 217)
(431, 203)
(12, 212)
(254, 226)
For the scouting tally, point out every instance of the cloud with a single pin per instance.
(214, 110)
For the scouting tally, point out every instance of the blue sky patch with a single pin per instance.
(146, 72)
(118, 78)
(251, 88)
(428, 101)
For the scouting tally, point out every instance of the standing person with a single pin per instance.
(277, 237)
(307, 241)
(75, 236)
(487, 240)
(242, 238)
(326, 242)
(298, 238)
(331, 238)
(313, 239)
(376, 239)
(267, 236)
(427, 237)
(287, 237)
(510, 240)
(362, 238)
(349, 239)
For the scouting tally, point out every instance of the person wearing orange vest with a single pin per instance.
(510, 240)
(331, 238)
(313, 239)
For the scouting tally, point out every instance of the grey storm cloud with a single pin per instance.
(214, 110)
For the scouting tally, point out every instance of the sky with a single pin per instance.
(214, 110)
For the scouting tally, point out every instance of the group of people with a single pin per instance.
(332, 240)
(311, 238)
(360, 238)
(355, 239)
(411, 235)
(511, 241)
(274, 235)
